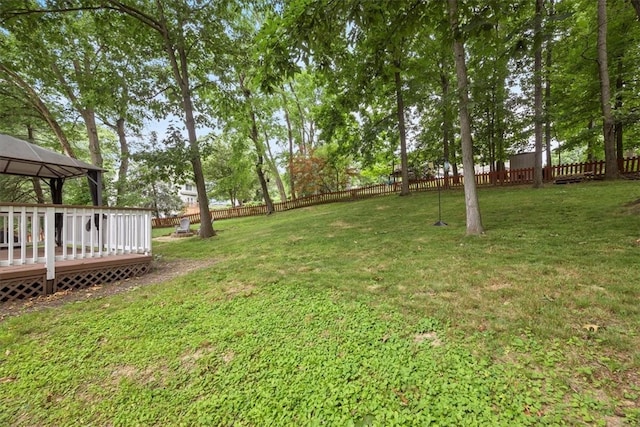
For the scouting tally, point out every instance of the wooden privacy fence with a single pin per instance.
(510, 177)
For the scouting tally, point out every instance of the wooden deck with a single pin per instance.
(27, 281)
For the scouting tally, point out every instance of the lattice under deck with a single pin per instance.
(72, 280)
(22, 287)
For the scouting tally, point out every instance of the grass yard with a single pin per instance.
(359, 314)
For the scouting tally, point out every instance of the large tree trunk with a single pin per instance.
(610, 158)
(123, 170)
(89, 117)
(263, 182)
(537, 79)
(474, 221)
(547, 94)
(292, 182)
(87, 113)
(206, 227)
(547, 106)
(179, 66)
(500, 125)
(404, 164)
(274, 169)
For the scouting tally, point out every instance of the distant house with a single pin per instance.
(189, 196)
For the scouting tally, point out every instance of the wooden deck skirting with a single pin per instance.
(28, 281)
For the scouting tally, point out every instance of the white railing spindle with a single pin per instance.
(112, 232)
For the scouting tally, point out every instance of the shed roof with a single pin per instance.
(19, 157)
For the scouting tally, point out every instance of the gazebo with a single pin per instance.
(47, 248)
(19, 157)
(22, 158)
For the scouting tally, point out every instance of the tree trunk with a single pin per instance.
(636, 6)
(274, 169)
(404, 164)
(179, 66)
(474, 221)
(537, 83)
(259, 148)
(491, 137)
(547, 94)
(547, 106)
(263, 184)
(618, 122)
(591, 156)
(156, 209)
(611, 162)
(37, 188)
(206, 227)
(500, 128)
(446, 122)
(86, 112)
(89, 117)
(123, 170)
(260, 152)
(290, 137)
(302, 147)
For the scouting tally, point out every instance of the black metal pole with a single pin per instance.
(440, 223)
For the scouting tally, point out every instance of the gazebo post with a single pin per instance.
(95, 186)
(56, 197)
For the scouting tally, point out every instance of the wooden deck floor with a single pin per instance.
(29, 280)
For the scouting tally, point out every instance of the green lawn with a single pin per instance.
(359, 313)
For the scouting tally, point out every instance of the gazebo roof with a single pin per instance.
(19, 157)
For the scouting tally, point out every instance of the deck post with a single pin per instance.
(147, 232)
(49, 242)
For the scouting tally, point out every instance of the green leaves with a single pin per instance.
(311, 357)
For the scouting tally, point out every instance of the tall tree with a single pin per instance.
(179, 26)
(537, 78)
(610, 157)
(292, 181)
(547, 86)
(474, 220)
(258, 144)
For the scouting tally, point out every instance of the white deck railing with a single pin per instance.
(28, 233)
